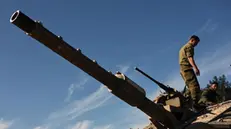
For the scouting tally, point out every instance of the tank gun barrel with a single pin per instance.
(162, 86)
(119, 85)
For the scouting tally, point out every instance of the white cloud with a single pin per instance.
(81, 106)
(155, 93)
(123, 68)
(82, 125)
(110, 126)
(217, 62)
(77, 108)
(87, 124)
(209, 27)
(135, 119)
(5, 124)
(40, 127)
(75, 86)
(93, 101)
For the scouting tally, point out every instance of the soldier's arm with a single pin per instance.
(192, 62)
(205, 101)
(204, 96)
(189, 51)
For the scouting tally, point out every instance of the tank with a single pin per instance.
(168, 111)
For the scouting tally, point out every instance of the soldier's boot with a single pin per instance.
(196, 107)
(195, 95)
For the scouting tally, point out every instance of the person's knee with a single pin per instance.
(195, 92)
(194, 88)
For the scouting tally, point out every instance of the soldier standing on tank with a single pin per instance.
(189, 69)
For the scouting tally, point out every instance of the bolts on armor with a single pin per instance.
(39, 22)
(78, 50)
(60, 37)
(94, 61)
(117, 72)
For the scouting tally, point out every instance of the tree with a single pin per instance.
(223, 84)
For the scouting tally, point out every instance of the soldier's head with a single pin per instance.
(214, 86)
(194, 40)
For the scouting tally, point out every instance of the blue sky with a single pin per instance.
(41, 90)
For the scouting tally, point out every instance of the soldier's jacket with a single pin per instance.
(208, 96)
(186, 51)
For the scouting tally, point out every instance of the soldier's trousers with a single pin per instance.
(191, 82)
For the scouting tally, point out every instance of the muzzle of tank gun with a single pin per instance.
(22, 21)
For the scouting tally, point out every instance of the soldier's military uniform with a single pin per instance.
(187, 72)
(208, 97)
